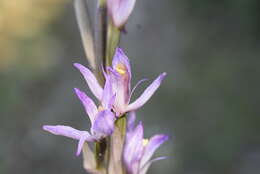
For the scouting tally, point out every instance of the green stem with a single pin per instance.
(100, 37)
(100, 153)
(116, 147)
(106, 39)
(101, 3)
(113, 38)
(121, 124)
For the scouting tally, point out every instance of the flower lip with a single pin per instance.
(104, 124)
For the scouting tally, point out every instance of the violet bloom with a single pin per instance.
(120, 10)
(138, 151)
(102, 119)
(121, 85)
(120, 77)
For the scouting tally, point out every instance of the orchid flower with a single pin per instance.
(138, 151)
(120, 10)
(121, 85)
(120, 77)
(101, 118)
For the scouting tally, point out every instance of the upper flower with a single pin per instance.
(121, 85)
(119, 76)
(138, 151)
(101, 118)
(120, 10)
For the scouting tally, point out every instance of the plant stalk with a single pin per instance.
(100, 37)
(113, 39)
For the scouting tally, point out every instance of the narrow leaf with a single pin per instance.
(84, 24)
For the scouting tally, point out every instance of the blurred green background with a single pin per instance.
(208, 104)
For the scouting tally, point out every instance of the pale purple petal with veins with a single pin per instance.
(120, 10)
(111, 102)
(108, 95)
(122, 65)
(149, 91)
(89, 105)
(121, 58)
(104, 124)
(144, 168)
(134, 148)
(137, 150)
(91, 80)
(70, 132)
(81, 143)
(131, 121)
(151, 147)
(120, 78)
(66, 131)
(120, 88)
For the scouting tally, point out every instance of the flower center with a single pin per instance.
(101, 108)
(120, 68)
(145, 142)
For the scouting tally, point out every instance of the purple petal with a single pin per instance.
(65, 131)
(149, 91)
(121, 77)
(83, 138)
(134, 167)
(70, 132)
(114, 72)
(121, 58)
(108, 98)
(111, 101)
(144, 168)
(120, 10)
(133, 150)
(104, 124)
(91, 80)
(89, 105)
(151, 147)
(120, 86)
(131, 121)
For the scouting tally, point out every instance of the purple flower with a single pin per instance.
(119, 76)
(120, 10)
(102, 119)
(121, 85)
(138, 151)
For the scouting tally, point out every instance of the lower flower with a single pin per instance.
(102, 119)
(139, 151)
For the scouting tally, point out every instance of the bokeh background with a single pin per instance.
(208, 104)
